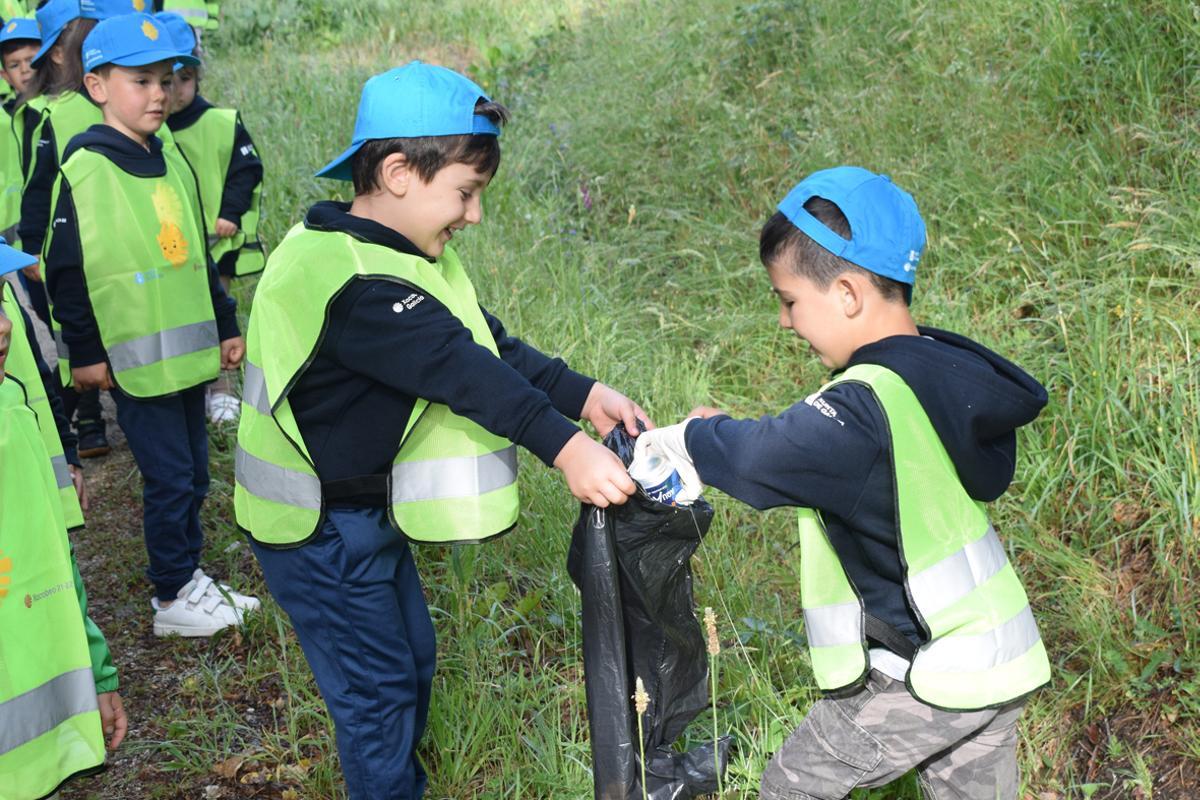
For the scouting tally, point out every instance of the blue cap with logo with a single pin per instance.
(131, 40)
(20, 29)
(179, 30)
(414, 100)
(887, 234)
(12, 259)
(103, 9)
(51, 19)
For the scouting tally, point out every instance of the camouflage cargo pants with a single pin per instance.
(876, 736)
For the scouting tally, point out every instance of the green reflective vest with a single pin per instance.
(49, 717)
(26, 128)
(11, 179)
(22, 365)
(208, 145)
(198, 13)
(983, 647)
(148, 285)
(452, 480)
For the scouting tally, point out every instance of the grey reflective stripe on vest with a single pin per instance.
(191, 13)
(277, 484)
(166, 344)
(444, 478)
(60, 347)
(42, 709)
(833, 626)
(957, 575)
(62, 472)
(254, 390)
(981, 651)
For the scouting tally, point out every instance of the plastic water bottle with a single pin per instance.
(658, 478)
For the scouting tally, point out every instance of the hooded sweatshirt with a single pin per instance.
(832, 452)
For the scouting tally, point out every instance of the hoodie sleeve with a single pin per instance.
(71, 307)
(104, 674)
(818, 453)
(568, 390)
(411, 342)
(35, 201)
(244, 174)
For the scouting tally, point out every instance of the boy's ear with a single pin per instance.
(850, 288)
(95, 87)
(395, 174)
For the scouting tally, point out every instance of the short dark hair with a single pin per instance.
(783, 243)
(8, 47)
(429, 154)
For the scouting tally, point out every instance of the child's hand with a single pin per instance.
(112, 718)
(80, 486)
(606, 408)
(93, 376)
(225, 228)
(594, 473)
(707, 412)
(232, 351)
(33, 272)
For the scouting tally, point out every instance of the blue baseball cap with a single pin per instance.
(12, 259)
(414, 100)
(132, 40)
(103, 9)
(887, 234)
(179, 30)
(51, 19)
(20, 29)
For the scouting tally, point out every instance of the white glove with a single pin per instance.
(668, 443)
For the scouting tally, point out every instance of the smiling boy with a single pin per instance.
(381, 406)
(141, 308)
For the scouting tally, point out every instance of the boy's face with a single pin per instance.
(818, 316)
(18, 66)
(134, 99)
(433, 211)
(183, 92)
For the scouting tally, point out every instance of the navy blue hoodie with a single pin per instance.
(832, 452)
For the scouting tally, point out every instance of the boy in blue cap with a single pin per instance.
(381, 406)
(58, 699)
(141, 307)
(919, 631)
(19, 40)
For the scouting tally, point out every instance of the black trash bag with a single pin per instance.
(632, 566)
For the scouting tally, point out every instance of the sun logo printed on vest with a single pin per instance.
(150, 31)
(171, 241)
(5, 578)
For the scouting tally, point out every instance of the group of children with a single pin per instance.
(382, 405)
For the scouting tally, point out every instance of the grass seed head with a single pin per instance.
(641, 700)
(710, 624)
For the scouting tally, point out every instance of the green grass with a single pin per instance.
(1053, 149)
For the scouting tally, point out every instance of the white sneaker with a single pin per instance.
(242, 602)
(200, 610)
(223, 407)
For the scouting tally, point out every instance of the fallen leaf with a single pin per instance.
(229, 767)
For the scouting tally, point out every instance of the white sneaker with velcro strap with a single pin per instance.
(242, 602)
(199, 610)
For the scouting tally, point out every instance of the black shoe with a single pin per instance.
(93, 442)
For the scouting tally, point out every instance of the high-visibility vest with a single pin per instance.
(451, 481)
(26, 128)
(146, 270)
(198, 13)
(11, 179)
(983, 648)
(208, 145)
(21, 364)
(49, 716)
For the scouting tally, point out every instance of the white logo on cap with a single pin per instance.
(913, 258)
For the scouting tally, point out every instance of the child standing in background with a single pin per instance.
(229, 174)
(141, 307)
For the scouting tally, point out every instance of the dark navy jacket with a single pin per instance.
(64, 260)
(832, 452)
(385, 344)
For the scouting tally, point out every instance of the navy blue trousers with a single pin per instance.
(355, 601)
(169, 441)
